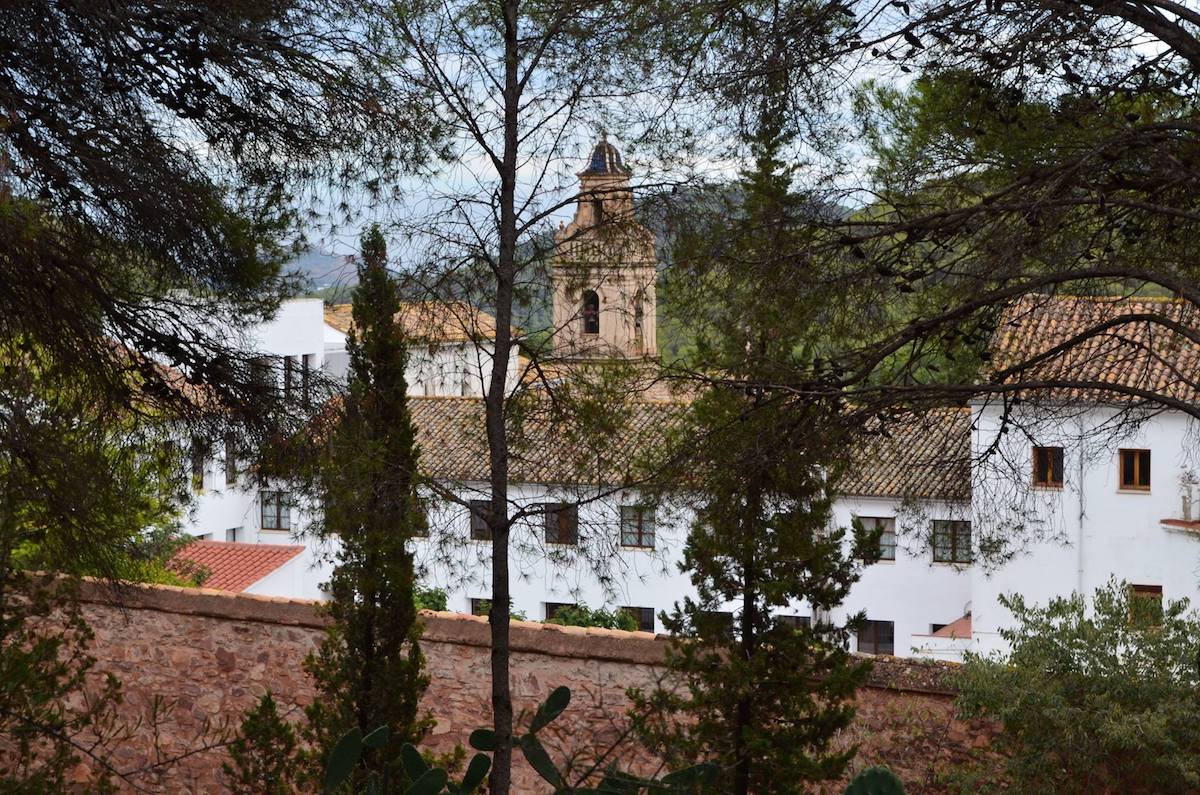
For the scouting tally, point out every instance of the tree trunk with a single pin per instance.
(500, 780)
(749, 644)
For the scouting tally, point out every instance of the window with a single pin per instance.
(479, 526)
(1048, 467)
(637, 527)
(232, 534)
(951, 541)
(260, 373)
(644, 617)
(597, 212)
(289, 366)
(877, 637)
(887, 536)
(231, 464)
(306, 365)
(591, 312)
(1135, 470)
(276, 510)
(933, 628)
(562, 523)
(1145, 604)
(481, 607)
(554, 607)
(199, 463)
(795, 622)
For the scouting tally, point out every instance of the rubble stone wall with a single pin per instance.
(207, 657)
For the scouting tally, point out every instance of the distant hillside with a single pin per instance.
(323, 270)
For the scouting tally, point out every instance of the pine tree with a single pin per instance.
(263, 755)
(763, 694)
(369, 670)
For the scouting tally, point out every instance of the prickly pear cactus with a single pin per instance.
(875, 781)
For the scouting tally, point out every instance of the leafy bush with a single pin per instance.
(429, 598)
(1106, 700)
(583, 616)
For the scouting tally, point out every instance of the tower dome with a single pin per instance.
(604, 160)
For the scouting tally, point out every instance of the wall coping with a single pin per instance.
(613, 645)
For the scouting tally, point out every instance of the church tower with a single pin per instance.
(604, 269)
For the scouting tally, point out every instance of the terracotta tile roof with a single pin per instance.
(1128, 343)
(923, 456)
(916, 456)
(431, 321)
(544, 448)
(958, 628)
(233, 566)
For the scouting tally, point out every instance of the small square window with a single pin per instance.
(200, 453)
(1135, 470)
(644, 617)
(1048, 467)
(481, 607)
(887, 535)
(231, 462)
(877, 637)
(637, 526)
(951, 541)
(561, 523)
(552, 608)
(795, 622)
(276, 510)
(1145, 604)
(479, 526)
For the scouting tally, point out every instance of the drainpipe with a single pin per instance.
(1079, 488)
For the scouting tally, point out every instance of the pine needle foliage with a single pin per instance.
(369, 670)
(263, 755)
(761, 694)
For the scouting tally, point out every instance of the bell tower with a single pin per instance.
(604, 269)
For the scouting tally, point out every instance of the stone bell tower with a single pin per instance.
(604, 269)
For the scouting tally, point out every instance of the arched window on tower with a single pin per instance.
(591, 312)
(639, 322)
(597, 212)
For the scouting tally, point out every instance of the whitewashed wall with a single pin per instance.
(1073, 539)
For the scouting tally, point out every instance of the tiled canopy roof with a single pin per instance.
(923, 457)
(432, 321)
(1124, 342)
(926, 456)
(233, 566)
(451, 433)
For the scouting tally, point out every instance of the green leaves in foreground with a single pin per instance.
(875, 781)
(428, 780)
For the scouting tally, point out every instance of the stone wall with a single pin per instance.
(208, 656)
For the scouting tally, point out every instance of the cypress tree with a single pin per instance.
(369, 670)
(763, 693)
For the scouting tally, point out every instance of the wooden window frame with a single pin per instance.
(1139, 459)
(281, 502)
(477, 604)
(478, 525)
(1149, 593)
(634, 532)
(1053, 459)
(957, 554)
(644, 617)
(869, 640)
(553, 525)
(889, 527)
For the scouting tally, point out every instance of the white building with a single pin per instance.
(969, 512)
